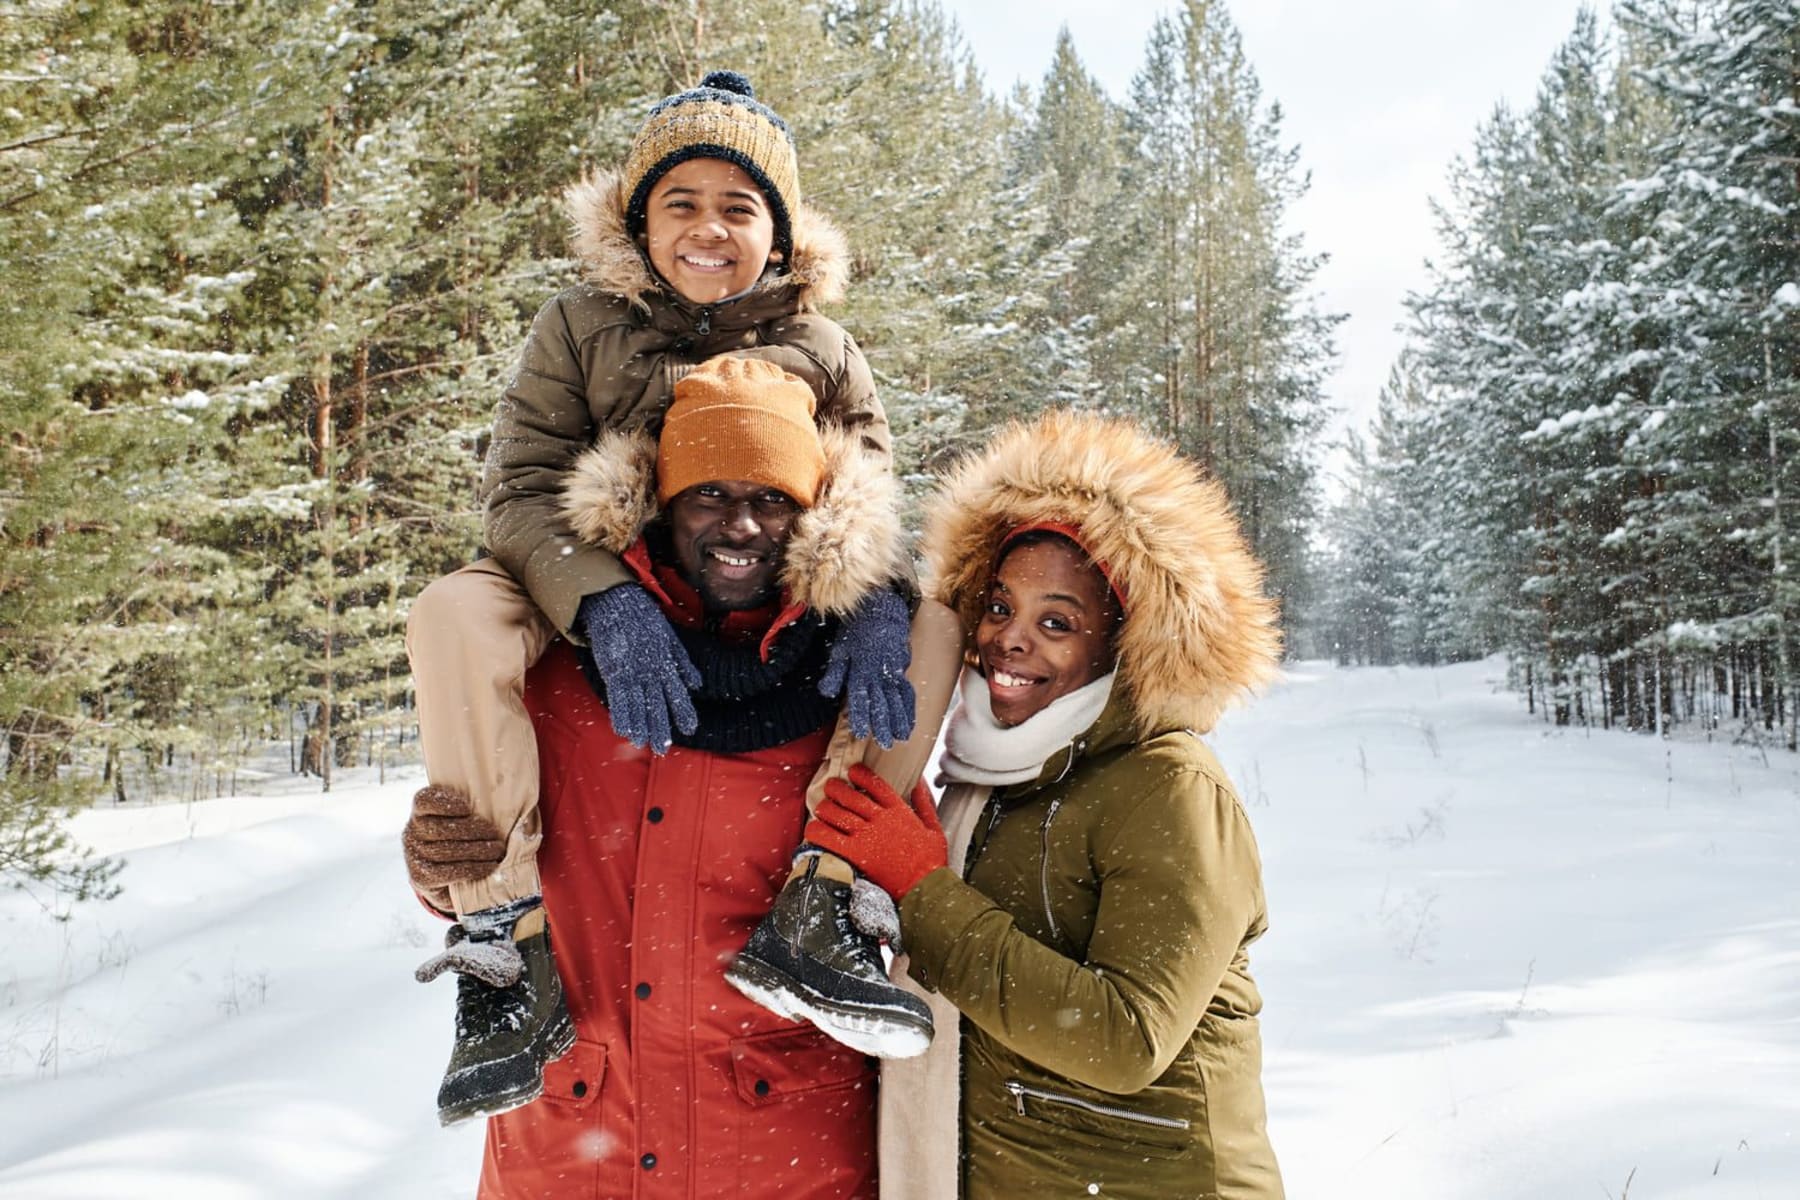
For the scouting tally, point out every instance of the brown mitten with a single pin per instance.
(445, 842)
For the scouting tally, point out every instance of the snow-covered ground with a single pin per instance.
(1503, 962)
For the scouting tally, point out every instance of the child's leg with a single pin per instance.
(817, 955)
(937, 646)
(471, 636)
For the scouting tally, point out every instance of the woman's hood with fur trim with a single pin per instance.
(1199, 631)
(818, 268)
(847, 545)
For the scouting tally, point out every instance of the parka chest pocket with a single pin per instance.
(770, 1067)
(573, 1081)
(554, 1140)
(1120, 1128)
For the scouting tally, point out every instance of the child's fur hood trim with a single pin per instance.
(847, 545)
(818, 269)
(1199, 632)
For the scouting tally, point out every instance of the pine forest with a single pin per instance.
(266, 269)
(1585, 457)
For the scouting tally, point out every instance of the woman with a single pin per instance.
(1089, 913)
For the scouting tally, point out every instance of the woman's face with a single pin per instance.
(1046, 630)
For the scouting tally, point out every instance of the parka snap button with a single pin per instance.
(649, 1161)
(654, 816)
(580, 1088)
(643, 991)
(762, 1087)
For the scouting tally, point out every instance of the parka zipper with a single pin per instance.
(1075, 748)
(1021, 1092)
(703, 325)
(1044, 869)
(994, 809)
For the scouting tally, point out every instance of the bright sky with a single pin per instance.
(1379, 95)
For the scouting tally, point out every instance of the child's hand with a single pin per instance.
(646, 670)
(868, 666)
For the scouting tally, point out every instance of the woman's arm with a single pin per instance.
(1179, 881)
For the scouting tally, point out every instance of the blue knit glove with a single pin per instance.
(646, 670)
(868, 665)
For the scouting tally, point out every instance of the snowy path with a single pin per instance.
(1503, 962)
(1511, 962)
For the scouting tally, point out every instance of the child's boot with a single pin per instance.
(511, 1018)
(809, 960)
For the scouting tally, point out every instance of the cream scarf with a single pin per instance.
(920, 1131)
(977, 749)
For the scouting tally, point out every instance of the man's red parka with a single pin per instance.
(655, 871)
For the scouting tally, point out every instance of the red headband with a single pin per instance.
(1073, 533)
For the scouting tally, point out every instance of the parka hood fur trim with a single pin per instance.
(1199, 633)
(818, 268)
(847, 545)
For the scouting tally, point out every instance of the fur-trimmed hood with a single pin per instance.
(1199, 631)
(847, 545)
(817, 270)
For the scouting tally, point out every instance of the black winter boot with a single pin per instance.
(505, 1031)
(808, 961)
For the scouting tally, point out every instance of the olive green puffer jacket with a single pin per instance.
(1097, 952)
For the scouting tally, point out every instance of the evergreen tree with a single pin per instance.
(1609, 346)
(1722, 200)
(1238, 351)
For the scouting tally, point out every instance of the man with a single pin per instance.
(657, 869)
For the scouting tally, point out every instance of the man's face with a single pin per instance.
(728, 537)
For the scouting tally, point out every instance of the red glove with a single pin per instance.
(867, 824)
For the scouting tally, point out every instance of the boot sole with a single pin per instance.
(902, 1035)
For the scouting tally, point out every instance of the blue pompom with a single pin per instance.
(729, 81)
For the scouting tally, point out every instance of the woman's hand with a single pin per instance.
(867, 824)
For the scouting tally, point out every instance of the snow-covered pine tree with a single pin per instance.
(1722, 201)
(409, 220)
(1357, 619)
(121, 382)
(1238, 350)
(1388, 591)
(1508, 348)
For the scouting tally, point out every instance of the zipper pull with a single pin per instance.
(704, 325)
(1018, 1094)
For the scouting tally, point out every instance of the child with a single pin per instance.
(697, 247)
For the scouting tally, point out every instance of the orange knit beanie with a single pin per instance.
(741, 418)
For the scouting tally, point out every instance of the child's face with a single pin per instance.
(708, 229)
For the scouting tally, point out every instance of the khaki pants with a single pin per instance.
(473, 634)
